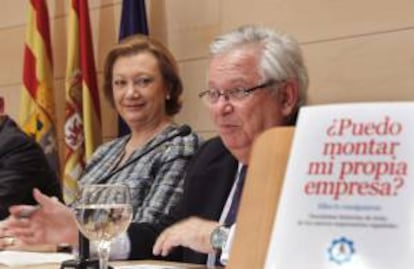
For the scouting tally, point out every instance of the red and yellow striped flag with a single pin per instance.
(37, 115)
(83, 116)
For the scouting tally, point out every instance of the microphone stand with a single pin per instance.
(83, 261)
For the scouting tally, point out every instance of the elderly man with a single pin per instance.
(256, 80)
(23, 166)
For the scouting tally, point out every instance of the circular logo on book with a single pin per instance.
(341, 250)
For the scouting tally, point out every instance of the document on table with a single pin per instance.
(19, 258)
(148, 266)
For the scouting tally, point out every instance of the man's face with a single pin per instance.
(239, 122)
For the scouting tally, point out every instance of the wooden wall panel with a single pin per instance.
(59, 49)
(317, 20)
(105, 24)
(12, 13)
(191, 25)
(11, 94)
(11, 55)
(195, 81)
(370, 68)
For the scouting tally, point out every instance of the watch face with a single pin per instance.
(219, 237)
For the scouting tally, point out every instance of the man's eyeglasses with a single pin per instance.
(212, 96)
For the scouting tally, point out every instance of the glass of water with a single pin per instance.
(103, 211)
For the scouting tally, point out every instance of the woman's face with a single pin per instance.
(139, 90)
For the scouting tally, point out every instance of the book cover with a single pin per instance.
(348, 195)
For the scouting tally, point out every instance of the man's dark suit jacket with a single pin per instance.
(208, 181)
(23, 166)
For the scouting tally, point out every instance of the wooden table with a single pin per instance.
(57, 266)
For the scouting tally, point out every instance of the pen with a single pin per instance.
(27, 212)
(30, 210)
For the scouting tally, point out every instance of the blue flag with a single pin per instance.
(133, 21)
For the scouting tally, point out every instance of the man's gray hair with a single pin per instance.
(281, 58)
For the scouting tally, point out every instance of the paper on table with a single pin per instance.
(18, 258)
(148, 266)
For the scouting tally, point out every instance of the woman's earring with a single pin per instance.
(168, 97)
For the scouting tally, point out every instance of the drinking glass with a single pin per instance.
(103, 211)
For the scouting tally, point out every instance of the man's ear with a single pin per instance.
(289, 97)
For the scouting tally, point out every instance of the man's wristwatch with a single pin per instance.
(219, 237)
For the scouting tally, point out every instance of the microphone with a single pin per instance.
(183, 130)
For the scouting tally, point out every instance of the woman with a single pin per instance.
(141, 81)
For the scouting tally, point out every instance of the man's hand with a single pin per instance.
(49, 223)
(10, 242)
(193, 233)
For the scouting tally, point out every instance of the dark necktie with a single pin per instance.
(234, 206)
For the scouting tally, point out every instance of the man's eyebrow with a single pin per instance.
(241, 82)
